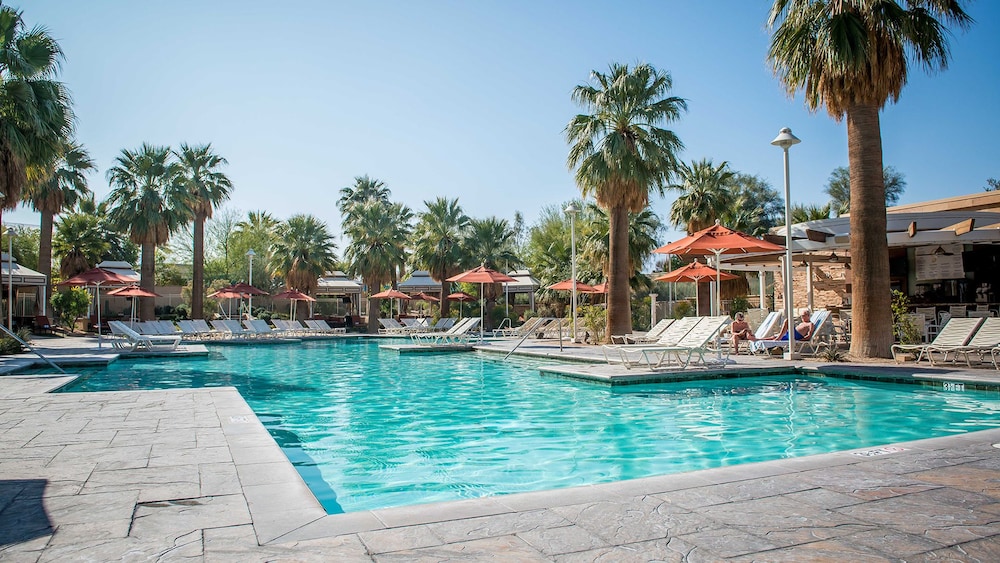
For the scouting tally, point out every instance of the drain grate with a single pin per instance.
(879, 451)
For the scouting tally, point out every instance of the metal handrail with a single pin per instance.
(527, 334)
(28, 346)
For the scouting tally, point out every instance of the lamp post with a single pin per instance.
(250, 255)
(572, 210)
(10, 279)
(785, 139)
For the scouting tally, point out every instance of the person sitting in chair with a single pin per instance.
(803, 330)
(740, 330)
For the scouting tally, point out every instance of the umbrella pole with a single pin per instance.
(97, 292)
(718, 283)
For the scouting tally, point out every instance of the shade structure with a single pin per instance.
(293, 295)
(695, 272)
(601, 288)
(718, 240)
(96, 278)
(425, 297)
(482, 275)
(567, 285)
(390, 294)
(461, 297)
(132, 291)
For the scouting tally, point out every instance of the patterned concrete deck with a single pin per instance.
(192, 474)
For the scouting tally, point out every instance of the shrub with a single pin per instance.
(10, 346)
(595, 318)
(906, 330)
(682, 309)
(70, 305)
(739, 304)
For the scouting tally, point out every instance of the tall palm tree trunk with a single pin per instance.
(374, 310)
(445, 303)
(871, 315)
(45, 259)
(147, 280)
(619, 306)
(198, 269)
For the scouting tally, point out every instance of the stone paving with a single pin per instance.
(193, 475)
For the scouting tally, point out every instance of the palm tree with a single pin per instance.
(620, 153)
(838, 187)
(378, 234)
(303, 252)
(79, 243)
(258, 231)
(490, 242)
(208, 187)
(705, 194)
(437, 242)
(644, 231)
(60, 186)
(851, 57)
(802, 213)
(364, 189)
(754, 207)
(35, 115)
(149, 202)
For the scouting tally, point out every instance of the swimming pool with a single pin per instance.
(370, 428)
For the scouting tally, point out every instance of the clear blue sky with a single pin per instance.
(469, 99)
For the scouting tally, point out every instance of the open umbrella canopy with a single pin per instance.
(132, 291)
(482, 274)
(244, 289)
(97, 276)
(461, 296)
(425, 297)
(390, 294)
(293, 294)
(567, 285)
(694, 272)
(225, 294)
(716, 240)
(601, 288)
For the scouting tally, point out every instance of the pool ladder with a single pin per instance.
(529, 333)
(28, 346)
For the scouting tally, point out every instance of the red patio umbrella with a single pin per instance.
(718, 240)
(461, 297)
(567, 285)
(244, 289)
(390, 294)
(695, 272)
(601, 288)
(293, 295)
(97, 277)
(132, 291)
(482, 275)
(425, 297)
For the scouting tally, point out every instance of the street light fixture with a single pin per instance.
(785, 139)
(10, 278)
(572, 209)
(250, 255)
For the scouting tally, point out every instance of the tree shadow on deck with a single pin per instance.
(22, 514)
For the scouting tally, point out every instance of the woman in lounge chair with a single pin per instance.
(740, 329)
(803, 330)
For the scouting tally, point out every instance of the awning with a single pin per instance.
(337, 283)
(22, 275)
(420, 281)
(525, 282)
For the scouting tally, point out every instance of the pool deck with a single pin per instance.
(193, 474)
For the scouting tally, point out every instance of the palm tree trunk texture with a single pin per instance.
(198, 270)
(445, 303)
(619, 306)
(45, 258)
(374, 310)
(147, 280)
(871, 313)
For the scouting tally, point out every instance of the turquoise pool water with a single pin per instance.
(369, 428)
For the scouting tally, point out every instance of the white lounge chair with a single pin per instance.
(696, 341)
(630, 355)
(767, 328)
(816, 341)
(128, 338)
(648, 337)
(459, 334)
(231, 328)
(391, 326)
(433, 337)
(320, 325)
(954, 335)
(987, 338)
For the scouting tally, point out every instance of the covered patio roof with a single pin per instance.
(22, 275)
(337, 283)
(420, 280)
(525, 282)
